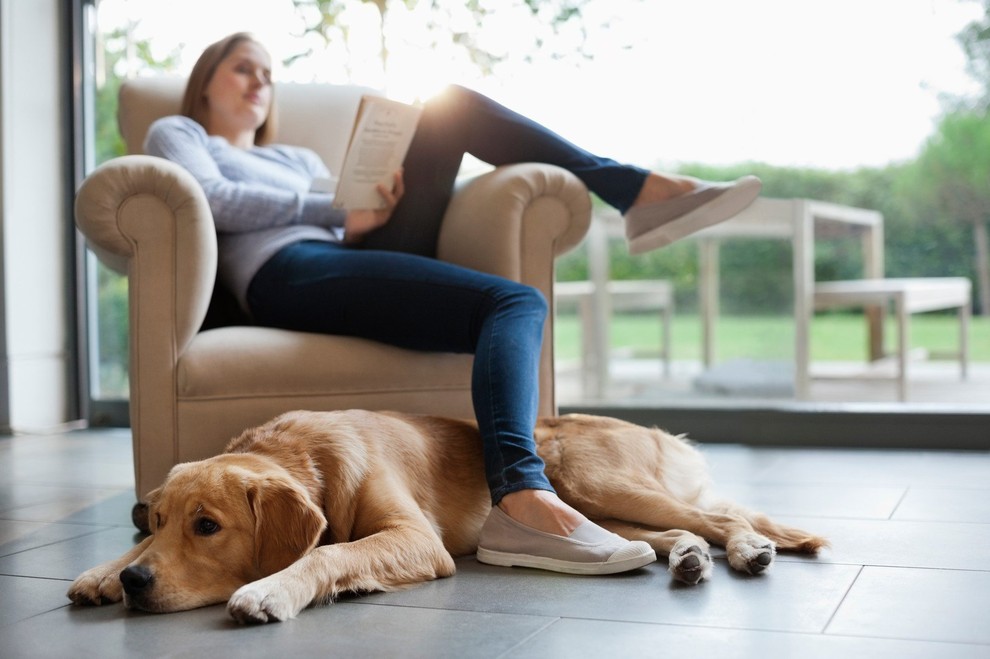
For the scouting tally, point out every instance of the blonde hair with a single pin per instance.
(194, 103)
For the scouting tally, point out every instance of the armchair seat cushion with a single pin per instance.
(233, 377)
(249, 362)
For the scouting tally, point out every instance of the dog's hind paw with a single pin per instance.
(689, 562)
(257, 603)
(751, 553)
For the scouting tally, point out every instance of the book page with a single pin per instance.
(382, 133)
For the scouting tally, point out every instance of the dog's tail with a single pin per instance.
(788, 538)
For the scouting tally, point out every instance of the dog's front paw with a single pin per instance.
(689, 562)
(262, 601)
(751, 553)
(96, 586)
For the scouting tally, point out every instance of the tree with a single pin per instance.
(975, 42)
(120, 57)
(954, 171)
(954, 166)
(460, 22)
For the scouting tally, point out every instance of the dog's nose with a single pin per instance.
(135, 578)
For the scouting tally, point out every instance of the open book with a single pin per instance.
(382, 132)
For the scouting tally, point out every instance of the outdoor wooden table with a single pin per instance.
(800, 221)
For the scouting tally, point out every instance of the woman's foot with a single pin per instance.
(542, 510)
(661, 187)
(670, 208)
(550, 535)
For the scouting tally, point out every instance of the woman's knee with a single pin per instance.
(525, 299)
(452, 92)
(451, 105)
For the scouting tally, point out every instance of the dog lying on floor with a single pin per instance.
(314, 504)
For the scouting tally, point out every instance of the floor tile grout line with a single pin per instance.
(62, 522)
(119, 489)
(58, 542)
(904, 495)
(910, 639)
(936, 521)
(791, 516)
(927, 568)
(530, 637)
(618, 621)
(21, 576)
(66, 522)
(787, 632)
(35, 615)
(556, 620)
(930, 568)
(114, 485)
(842, 600)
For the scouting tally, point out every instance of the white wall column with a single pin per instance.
(33, 152)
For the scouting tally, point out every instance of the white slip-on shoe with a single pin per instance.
(590, 549)
(658, 224)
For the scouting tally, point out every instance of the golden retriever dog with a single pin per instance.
(314, 504)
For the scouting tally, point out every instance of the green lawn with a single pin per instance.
(834, 337)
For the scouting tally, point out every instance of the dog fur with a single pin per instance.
(314, 504)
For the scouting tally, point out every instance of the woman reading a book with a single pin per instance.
(296, 262)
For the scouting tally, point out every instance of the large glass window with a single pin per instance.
(869, 106)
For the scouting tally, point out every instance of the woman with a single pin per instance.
(295, 262)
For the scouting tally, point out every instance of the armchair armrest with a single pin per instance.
(522, 215)
(148, 217)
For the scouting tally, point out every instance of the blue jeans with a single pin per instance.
(420, 303)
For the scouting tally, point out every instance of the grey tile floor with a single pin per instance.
(908, 575)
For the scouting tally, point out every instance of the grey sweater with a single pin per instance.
(261, 198)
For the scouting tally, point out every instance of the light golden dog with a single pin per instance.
(313, 504)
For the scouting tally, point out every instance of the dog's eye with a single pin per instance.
(206, 526)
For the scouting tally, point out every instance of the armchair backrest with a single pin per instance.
(315, 115)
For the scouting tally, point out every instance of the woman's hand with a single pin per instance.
(359, 223)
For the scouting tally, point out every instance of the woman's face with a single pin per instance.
(240, 93)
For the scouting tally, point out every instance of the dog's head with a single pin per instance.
(217, 525)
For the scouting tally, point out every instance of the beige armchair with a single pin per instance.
(191, 388)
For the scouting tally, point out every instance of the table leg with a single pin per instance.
(708, 252)
(804, 290)
(601, 308)
(964, 314)
(873, 267)
(903, 348)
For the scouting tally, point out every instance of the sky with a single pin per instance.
(836, 84)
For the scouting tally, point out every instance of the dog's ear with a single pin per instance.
(287, 523)
(141, 512)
